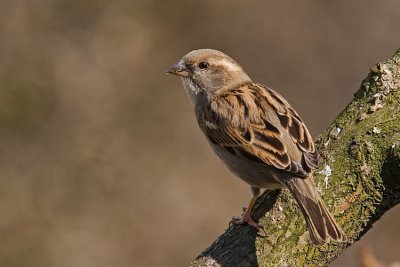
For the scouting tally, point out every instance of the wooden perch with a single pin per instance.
(358, 178)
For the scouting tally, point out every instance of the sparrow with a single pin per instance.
(257, 134)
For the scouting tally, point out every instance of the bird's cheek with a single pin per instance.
(218, 82)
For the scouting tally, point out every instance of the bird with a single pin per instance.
(258, 136)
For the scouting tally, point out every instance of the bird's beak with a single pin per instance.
(179, 68)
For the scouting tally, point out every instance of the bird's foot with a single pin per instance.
(246, 218)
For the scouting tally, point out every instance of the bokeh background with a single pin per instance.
(101, 160)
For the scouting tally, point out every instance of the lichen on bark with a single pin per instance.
(358, 178)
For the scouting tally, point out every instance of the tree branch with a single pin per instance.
(358, 178)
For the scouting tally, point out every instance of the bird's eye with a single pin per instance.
(203, 65)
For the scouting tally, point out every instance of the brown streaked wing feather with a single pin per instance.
(242, 128)
(298, 131)
(268, 148)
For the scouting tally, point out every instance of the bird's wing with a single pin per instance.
(257, 123)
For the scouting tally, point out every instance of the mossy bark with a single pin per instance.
(358, 178)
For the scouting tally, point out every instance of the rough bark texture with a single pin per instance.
(358, 178)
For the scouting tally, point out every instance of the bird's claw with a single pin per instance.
(247, 219)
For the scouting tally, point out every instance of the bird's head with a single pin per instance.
(208, 71)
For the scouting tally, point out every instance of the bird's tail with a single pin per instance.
(320, 223)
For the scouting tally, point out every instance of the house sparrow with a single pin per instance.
(257, 134)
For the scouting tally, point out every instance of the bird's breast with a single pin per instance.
(254, 174)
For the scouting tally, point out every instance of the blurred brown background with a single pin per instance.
(101, 160)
